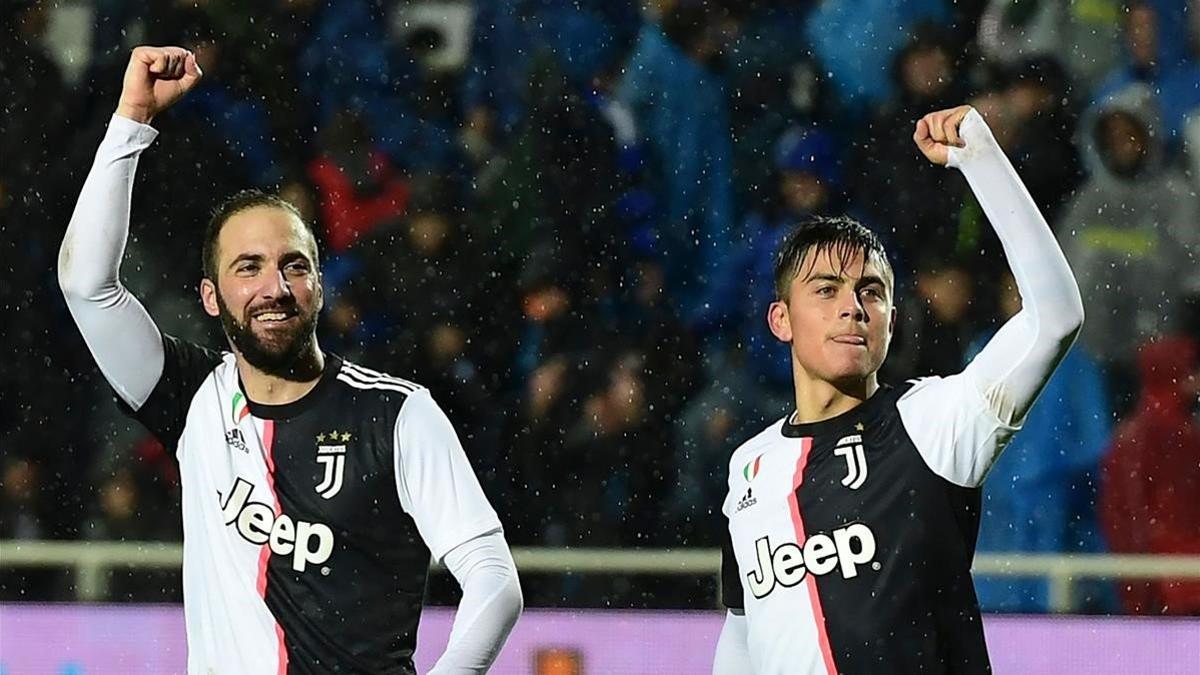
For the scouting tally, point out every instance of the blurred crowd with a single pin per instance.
(560, 217)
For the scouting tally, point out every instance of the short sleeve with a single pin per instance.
(436, 484)
(185, 367)
(731, 578)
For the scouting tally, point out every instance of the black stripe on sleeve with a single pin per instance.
(185, 367)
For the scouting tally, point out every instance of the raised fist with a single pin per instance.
(155, 78)
(937, 132)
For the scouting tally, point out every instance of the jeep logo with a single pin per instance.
(847, 548)
(257, 523)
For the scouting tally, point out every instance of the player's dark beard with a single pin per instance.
(281, 360)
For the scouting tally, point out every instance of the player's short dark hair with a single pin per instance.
(235, 204)
(841, 236)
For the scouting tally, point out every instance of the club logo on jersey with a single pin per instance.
(851, 448)
(746, 501)
(333, 458)
(235, 439)
(307, 543)
(845, 548)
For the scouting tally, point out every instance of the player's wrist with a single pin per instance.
(139, 114)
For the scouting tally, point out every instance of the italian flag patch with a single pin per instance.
(751, 469)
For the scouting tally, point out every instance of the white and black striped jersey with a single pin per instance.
(850, 540)
(308, 527)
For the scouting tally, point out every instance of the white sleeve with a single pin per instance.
(491, 603)
(961, 423)
(733, 647)
(118, 331)
(434, 479)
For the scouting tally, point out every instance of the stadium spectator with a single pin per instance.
(678, 97)
(1130, 234)
(1011, 31)
(935, 321)
(889, 181)
(855, 40)
(1040, 118)
(1040, 494)
(358, 187)
(1158, 53)
(1151, 476)
(348, 63)
(509, 36)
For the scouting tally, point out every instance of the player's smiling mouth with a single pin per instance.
(277, 317)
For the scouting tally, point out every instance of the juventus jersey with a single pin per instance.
(850, 540)
(308, 527)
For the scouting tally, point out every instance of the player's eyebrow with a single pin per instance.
(247, 257)
(293, 256)
(862, 282)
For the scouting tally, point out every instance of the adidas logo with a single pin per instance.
(746, 501)
(235, 439)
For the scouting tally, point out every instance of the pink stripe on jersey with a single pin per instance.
(265, 555)
(810, 580)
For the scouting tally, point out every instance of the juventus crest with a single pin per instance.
(332, 459)
(851, 448)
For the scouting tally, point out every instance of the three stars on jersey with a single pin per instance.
(333, 459)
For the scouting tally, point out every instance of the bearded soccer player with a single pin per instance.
(315, 491)
(852, 521)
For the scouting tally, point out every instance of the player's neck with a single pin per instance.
(273, 389)
(818, 400)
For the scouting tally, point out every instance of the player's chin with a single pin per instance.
(849, 367)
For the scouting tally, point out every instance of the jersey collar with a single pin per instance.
(333, 365)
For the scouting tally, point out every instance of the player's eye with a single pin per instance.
(247, 268)
(826, 291)
(298, 267)
(873, 293)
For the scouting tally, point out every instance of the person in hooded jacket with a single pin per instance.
(1131, 234)
(1151, 477)
(1157, 52)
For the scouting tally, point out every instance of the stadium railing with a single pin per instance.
(91, 561)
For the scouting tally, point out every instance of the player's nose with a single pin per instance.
(277, 286)
(852, 309)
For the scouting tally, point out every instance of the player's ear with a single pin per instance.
(779, 321)
(320, 291)
(208, 297)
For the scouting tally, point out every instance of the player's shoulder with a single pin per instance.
(944, 392)
(189, 354)
(364, 381)
(928, 399)
(187, 365)
(772, 434)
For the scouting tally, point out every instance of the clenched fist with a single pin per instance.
(937, 132)
(155, 78)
